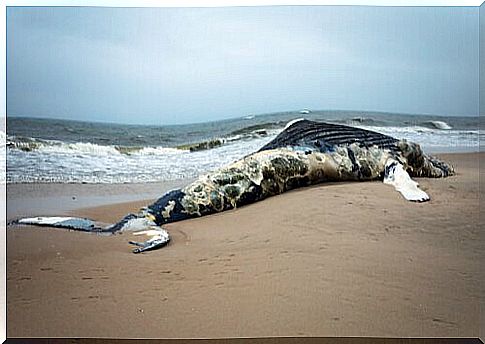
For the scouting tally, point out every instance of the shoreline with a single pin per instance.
(35, 199)
(336, 259)
(50, 199)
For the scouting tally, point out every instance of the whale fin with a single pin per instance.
(73, 223)
(158, 238)
(129, 222)
(396, 175)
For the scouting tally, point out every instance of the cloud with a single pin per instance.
(183, 65)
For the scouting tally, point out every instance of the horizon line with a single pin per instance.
(242, 116)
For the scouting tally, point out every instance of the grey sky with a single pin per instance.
(169, 65)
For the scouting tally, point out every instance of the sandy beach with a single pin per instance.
(338, 259)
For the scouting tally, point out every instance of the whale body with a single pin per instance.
(304, 153)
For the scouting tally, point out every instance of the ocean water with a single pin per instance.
(47, 150)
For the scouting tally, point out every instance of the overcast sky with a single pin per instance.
(169, 65)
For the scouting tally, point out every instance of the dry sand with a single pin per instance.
(341, 259)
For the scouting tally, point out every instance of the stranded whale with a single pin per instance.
(304, 153)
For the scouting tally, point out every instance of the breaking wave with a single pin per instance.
(439, 125)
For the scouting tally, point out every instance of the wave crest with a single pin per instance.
(83, 148)
(439, 125)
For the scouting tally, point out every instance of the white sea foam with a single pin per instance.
(3, 152)
(434, 140)
(80, 147)
(91, 163)
(160, 151)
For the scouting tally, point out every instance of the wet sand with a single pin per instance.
(339, 259)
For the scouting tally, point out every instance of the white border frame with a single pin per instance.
(152, 3)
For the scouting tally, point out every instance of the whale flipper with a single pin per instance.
(74, 223)
(158, 238)
(396, 175)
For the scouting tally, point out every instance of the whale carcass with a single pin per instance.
(304, 153)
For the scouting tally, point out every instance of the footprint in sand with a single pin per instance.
(444, 322)
(26, 301)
